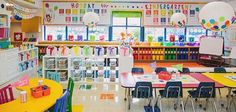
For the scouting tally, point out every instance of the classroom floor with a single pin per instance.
(110, 97)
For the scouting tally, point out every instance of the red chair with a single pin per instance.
(6, 94)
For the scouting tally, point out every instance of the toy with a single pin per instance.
(62, 63)
(163, 75)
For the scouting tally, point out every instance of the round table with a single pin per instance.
(34, 104)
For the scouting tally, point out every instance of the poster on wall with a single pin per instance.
(153, 13)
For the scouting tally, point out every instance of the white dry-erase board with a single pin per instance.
(8, 65)
(211, 45)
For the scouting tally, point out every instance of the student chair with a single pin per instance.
(6, 94)
(219, 70)
(159, 69)
(142, 90)
(136, 70)
(172, 90)
(70, 88)
(53, 76)
(185, 70)
(61, 103)
(204, 90)
(231, 100)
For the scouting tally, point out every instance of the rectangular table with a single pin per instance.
(128, 81)
(226, 79)
(222, 78)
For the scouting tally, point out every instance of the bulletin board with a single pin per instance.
(153, 13)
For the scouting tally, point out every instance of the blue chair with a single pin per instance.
(185, 70)
(53, 76)
(142, 90)
(159, 69)
(204, 90)
(137, 70)
(172, 90)
(219, 70)
(61, 103)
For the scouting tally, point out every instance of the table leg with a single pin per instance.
(125, 94)
(229, 99)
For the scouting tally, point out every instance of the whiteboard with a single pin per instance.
(211, 45)
(8, 65)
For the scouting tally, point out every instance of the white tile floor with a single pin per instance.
(91, 101)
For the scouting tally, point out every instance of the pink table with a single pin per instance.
(127, 81)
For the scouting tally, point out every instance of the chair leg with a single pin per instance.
(186, 101)
(192, 105)
(219, 92)
(129, 102)
(182, 103)
(214, 105)
(160, 104)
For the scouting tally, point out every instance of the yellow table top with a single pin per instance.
(34, 104)
(221, 78)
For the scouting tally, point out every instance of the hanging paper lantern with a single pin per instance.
(178, 20)
(90, 19)
(216, 16)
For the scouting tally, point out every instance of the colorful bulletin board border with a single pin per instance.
(154, 13)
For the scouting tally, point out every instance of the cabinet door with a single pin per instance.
(31, 25)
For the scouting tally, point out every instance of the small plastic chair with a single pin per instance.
(204, 90)
(159, 69)
(185, 70)
(142, 90)
(70, 88)
(53, 76)
(219, 70)
(136, 70)
(61, 103)
(6, 94)
(172, 90)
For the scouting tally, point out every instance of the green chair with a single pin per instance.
(70, 88)
(53, 76)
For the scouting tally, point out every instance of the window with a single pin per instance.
(55, 33)
(126, 22)
(78, 32)
(99, 32)
(193, 33)
(155, 32)
(176, 32)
